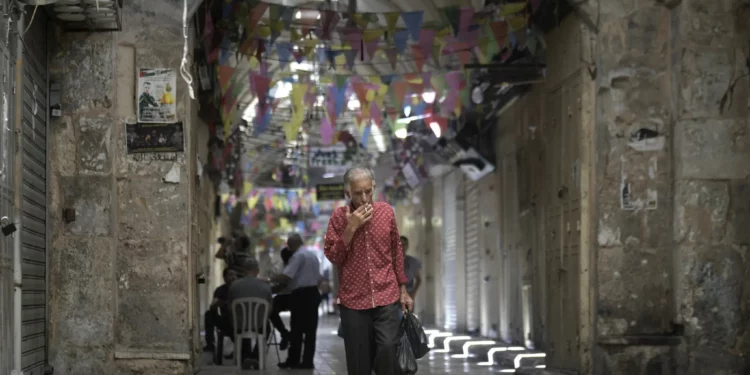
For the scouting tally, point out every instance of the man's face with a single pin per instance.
(360, 191)
(147, 89)
(231, 276)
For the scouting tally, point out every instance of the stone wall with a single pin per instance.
(673, 285)
(120, 274)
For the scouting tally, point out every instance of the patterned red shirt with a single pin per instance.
(371, 268)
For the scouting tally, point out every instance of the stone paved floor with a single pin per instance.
(329, 359)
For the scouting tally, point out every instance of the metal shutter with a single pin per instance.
(6, 209)
(34, 213)
(473, 256)
(449, 250)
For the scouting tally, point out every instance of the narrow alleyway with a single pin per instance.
(329, 359)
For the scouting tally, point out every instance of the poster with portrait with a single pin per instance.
(156, 96)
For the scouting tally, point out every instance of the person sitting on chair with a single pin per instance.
(217, 316)
(250, 286)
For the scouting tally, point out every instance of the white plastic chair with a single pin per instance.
(246, 312)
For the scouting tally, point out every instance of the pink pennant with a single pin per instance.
(260, 85)
(330, 19)
(426, 41)
(371, 48)
(354, 37)
(326, 131)
(465, 19)
(256, 14)
(376, 115)
(418, 57)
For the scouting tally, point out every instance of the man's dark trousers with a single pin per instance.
(304, 324)
(212, 321)
(370, 339)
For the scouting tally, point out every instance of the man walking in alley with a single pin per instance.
(302, 276)
(363, 242)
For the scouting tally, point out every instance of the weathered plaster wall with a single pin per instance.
(120, 274)
(672, 211)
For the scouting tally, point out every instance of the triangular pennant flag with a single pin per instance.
(464, 56)
(376, 115)
(371, 48)
(517, 22)
(452, 16)
(275, 11)
(426, 41)
(326, 131)
(287, 16)
(413, 21)
(329, 21)
(400, 40)
(465, 20)
(256, 14)
(260, 84)
(339, 96)
(360, 89)
(351, 56)
(341, 81)
(418, 57)
(387, 79)
(500, 31)
(399, 92)
(392, 55)
(354, 37)
(391, 19)
(284, 51)
(513, 8)
(365, 136)
(225, 75)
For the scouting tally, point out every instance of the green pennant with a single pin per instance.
(341, 81)
(275, 11)
(452, 16)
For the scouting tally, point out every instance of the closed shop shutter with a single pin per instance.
(449, 251)
(34, 212)
(6, 210)
(473, 256)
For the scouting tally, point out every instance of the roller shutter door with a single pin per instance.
(449, 251)
(473, 256)
(34, 212)
(6, 209)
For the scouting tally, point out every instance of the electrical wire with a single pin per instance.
(31, 21)
(184, 70)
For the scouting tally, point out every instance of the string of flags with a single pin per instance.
(331, 44)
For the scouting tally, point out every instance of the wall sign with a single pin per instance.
(155, 138)
(329, 192)
(156, 96)
(332, 157)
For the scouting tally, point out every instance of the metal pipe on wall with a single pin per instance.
(17, 174)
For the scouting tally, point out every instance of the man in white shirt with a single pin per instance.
(302, 275)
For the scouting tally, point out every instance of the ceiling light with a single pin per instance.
(435, 128)
(407, 111)
(401, 133)
(353, 104)
(318, 16)
(296, 77)
(377, 136)
(298, 15)
(429, 97)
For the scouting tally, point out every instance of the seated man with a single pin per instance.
(249, 285)
(217, 316)
(281, 302)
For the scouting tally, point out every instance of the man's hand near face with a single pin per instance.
(356, 219)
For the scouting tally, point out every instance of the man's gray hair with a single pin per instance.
(247, 263)
(356, 173)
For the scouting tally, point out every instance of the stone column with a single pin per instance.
(673, 157)
(120, 273)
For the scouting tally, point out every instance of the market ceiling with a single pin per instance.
(292, 74)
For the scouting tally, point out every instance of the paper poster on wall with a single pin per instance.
(156, 96)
